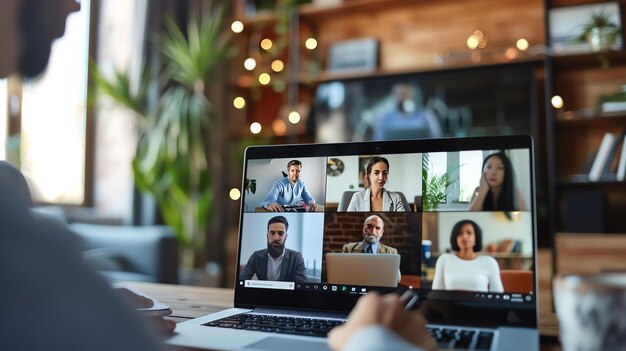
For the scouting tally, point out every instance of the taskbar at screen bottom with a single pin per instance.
(506, 297)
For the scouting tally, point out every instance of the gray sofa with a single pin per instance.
(124, 253)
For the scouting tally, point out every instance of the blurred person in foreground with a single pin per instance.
(50, 299)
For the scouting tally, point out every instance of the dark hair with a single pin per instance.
(507, 193)
(478, 233)
(36, 39)
(293, 163)
(278, 219)
(368, 169)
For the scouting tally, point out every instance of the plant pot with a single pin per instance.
(601, 38)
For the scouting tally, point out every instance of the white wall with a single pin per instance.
(267, 171)
(495, 226)
(405, 175)
(520, 159)
(305, 234)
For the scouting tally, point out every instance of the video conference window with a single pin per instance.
(385, 183)
(371, 249)
(478, 251)
(279, 185)
(480, 180)
(281, 247)
(441, 220)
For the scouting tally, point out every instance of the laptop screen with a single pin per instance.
(459, 213)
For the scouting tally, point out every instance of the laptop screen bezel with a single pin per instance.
(438, 307)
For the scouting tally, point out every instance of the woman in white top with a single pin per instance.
(464, 269)
(375, 197)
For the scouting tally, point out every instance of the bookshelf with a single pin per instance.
(578, 129)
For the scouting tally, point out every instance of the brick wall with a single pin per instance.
(402, 231)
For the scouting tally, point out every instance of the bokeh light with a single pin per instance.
(235, 194)
(237, 26)
(239, 102)
(255, 128)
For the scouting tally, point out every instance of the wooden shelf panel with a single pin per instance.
(311, 12)
(595, 59)
(602, 120)
(259, 19)
(246, 81)
(582, 180)
(327, 76)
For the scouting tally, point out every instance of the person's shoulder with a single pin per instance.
(351, 245)
(361, 193)
(259, 253)
(394, 195)
(294, 253)
(488, 259)
(446, 257)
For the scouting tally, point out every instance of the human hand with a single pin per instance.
(483, 186)
(161, 325)
(387, 311)
(311, 207)
(274, 207)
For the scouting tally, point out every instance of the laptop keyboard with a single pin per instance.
(447, 338)
(277, 324)
(463, 339)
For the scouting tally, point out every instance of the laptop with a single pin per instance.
(347, 268)
(284, 298)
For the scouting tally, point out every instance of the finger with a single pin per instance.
(392, 310)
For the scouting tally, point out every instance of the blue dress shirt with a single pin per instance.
(285, 193)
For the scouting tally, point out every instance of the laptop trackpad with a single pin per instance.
(273, 343)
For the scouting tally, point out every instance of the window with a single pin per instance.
(469, 173)
(4, 119)
(53, 130)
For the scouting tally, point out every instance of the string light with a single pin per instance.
(557, 101)
(522, 44)
(255, 128)
(264, 78)
(277, 65)
(266, 44)
(235, 194)
(477, 40)
(237, 27)
(310, 43)
(239, 102)
(249, 63)
(294, 117)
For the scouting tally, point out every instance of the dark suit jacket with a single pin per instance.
(291, 270)
(358, 248)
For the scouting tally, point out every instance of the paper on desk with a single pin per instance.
(146, 304)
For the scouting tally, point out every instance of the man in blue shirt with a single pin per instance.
(289, 191)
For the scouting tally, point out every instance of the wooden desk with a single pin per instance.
(189, 302)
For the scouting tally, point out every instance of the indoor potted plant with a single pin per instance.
(600, 31)
(173, 163)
